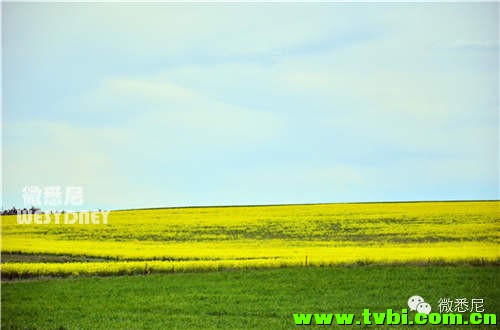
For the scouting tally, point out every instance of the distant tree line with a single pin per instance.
(14, 211)
(31, 210)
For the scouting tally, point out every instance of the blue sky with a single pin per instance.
(148, 105)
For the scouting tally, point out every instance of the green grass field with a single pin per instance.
(242, 299)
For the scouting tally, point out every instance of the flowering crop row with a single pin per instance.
(273, 236)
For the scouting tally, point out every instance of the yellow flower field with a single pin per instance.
(211, 238)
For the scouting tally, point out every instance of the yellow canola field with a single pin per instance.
(183, 239)
(330, 251)
(433, 253)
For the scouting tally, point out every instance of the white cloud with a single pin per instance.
(177, 115)
(475, 44)
(173, 124)
(95, 158)
(158, 30)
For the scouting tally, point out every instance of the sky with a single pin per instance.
(171, 104)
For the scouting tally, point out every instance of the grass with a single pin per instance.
(258, 299)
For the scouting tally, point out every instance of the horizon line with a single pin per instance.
(305, 204)
(270, 205)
